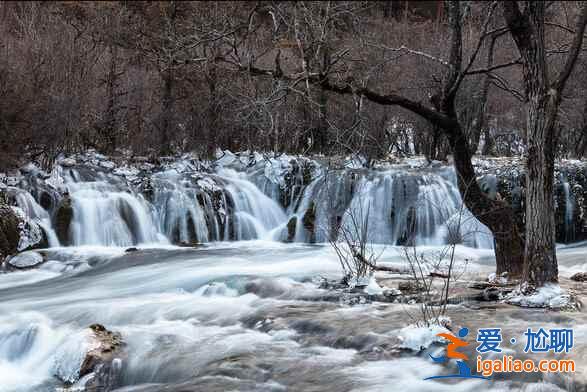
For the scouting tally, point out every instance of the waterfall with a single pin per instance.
(270, 199)
(38, 214)
(569, 210)
(180, 216)
(106, 214)
(398, 208)
(255, 214)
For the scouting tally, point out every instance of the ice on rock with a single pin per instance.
(355, 162)
(207, 184)
(126, 171)
(225, 158)
(419, 338)
(68, 358)
(12, 180)
(30, 233)
(373, 288)
(501, 279)
(67, 162)
(26, 260)
(549, 296)
(107, 165)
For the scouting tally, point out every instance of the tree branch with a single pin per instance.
(561, 80)
(418, 108)
(518, 61)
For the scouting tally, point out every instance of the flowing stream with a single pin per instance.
(243, 311)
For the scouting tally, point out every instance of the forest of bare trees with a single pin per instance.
(381, 79)
(165, 77)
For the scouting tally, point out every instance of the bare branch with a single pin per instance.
(517, 61)
(405, 49)
(562, 78)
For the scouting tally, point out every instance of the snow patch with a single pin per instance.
(549, 296)
(418, 338)
(373, 288)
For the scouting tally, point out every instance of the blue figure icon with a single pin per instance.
(452, 353)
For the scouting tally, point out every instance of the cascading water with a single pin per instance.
(251, 311)
(38, 214)
(569, 210)
(399, 208)
(105, 214)
(255, 214)
(259, 200)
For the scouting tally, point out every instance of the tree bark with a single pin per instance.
(542, 103)
(166, 103)
(540, 256)
(497, 215)
(111, 106)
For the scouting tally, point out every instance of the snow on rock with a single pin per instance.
(418, 338)
(501, 279)
(225, 158)
(26, 260)
(30, 234)
(355, 162)
(107, 165)
(373, 288)
(549, 296)
(67, 162)
(70, 355)
(92, 357)
(276, 170)
(207, 184)
(126, 171)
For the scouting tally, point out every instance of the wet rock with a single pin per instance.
(309, 222)
(490, 294)
(101, 368)
(9, 231)
(63, 218)
(18, 233)
(580, 277)
(291, 229)
(410, 287)
(109, 165)
(131, 249)
(189, 244)
(67, 162)
(25, 260)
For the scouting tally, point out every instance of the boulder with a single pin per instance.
(291, 229)
(63, 218)
(101, 368)
(67, 162)
(9, 231)
(309, 222)
(26, 260)
(580, 277)
(18, 232)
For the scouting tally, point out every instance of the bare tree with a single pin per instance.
(542, 100)
(497, 215)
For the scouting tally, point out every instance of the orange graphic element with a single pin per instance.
(455, 343)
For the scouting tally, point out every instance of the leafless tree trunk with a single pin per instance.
(110, 127)
(542, 103)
